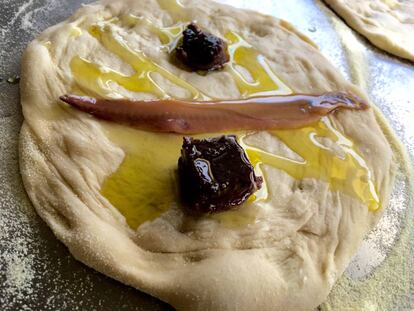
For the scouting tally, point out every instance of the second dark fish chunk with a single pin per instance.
(215, 175)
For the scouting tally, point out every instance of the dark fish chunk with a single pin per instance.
(201, 50)
(215, 175)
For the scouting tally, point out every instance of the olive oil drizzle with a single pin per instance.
(75, 31)
(265, 82)
(173, 7)
(98, 79)
(143, 186)
(168, 36)
(347, 173)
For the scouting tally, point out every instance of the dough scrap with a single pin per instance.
(388, 24)
(289, 260)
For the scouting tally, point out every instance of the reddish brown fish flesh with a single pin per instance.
(193, 117)
(215, 174)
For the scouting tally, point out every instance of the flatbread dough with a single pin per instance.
(388, 24)
(287, 260)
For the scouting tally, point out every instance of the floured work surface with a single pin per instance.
(316, 39)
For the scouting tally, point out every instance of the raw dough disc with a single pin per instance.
(388, 24)
(304, 236)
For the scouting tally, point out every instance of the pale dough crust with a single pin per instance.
(388, 24)
(289, 260)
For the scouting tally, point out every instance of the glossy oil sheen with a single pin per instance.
(143, 187)
(257, 78)
(98, 79)
(262, 81)
(345, 171)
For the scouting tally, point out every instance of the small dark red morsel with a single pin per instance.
(215, 175)
(201, 50)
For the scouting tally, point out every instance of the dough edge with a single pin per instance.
(83, 238)
(375, 35)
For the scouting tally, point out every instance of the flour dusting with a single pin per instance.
(23, 268)
(17, 251)
(21, 20)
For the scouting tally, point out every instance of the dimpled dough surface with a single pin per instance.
(388, 24)
(302, 240)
